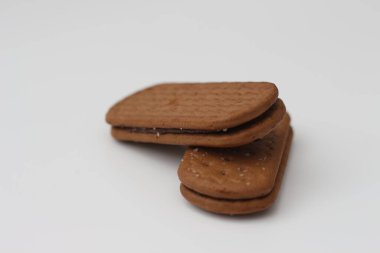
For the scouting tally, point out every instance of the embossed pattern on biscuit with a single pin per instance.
(207, 106)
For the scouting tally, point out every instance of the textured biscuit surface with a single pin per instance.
(244, 172)
(239, 207)
(217, 187)
(200, 106)
(234, 137)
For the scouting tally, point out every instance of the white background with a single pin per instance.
(67, 186)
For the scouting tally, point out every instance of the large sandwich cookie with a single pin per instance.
(198, 114)
(239, 180)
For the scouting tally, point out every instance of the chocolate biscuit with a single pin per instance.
(207, 114)
(239, 180)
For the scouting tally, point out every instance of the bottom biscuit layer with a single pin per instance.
(239, 207)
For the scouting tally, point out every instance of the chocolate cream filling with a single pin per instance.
(277, 105)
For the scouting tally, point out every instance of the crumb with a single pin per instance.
(225, 129)
(158, 134)
(196, 149)
(197, 175)
(241, 174)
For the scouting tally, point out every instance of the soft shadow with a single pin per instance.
(170, 153)
(266, 214)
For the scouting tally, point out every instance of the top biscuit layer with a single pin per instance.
(199, 106)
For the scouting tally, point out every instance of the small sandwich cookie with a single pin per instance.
(198, 114)
(239, 180)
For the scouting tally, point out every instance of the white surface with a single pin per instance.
(66, 186)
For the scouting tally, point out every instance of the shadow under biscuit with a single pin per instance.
(267, 213)
(166, 152)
